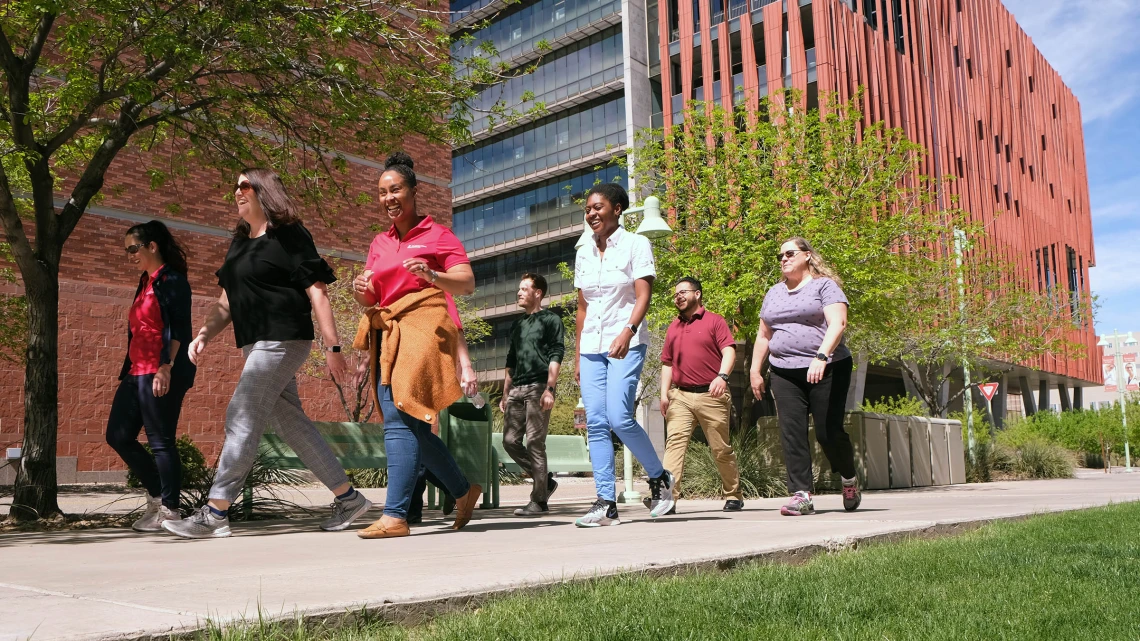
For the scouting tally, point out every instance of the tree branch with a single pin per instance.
(32, 55)
(13, 226)
(8, 58)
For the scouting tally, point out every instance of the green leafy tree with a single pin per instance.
(737, 185)
(221, 84)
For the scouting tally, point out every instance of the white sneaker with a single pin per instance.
(602, 512)
(151, 520)
(201, 524)
(661, 497)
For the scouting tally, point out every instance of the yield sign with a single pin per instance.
(988, 390)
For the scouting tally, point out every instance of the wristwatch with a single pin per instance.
(551, 390)
(723, 376)
(632, 328)
(333, 348)
(821, 356)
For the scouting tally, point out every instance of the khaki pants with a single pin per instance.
(525, 417)
(687, 408)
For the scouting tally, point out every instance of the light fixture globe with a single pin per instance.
(652, 225)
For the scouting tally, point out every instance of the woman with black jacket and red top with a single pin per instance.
(156, 373)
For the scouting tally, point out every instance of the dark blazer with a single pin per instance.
(174, 299)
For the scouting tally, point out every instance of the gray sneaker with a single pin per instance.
(532, 509)
(601, 513)
(150, 521)
(201, 524)
(345, 512)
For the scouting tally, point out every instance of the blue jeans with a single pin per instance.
(409, 443)
(609, 387)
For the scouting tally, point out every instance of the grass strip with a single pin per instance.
(1074, 575)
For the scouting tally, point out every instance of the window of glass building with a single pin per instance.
(497, 277)
(552, 141)
(567, 72)
(517, 32)
(549, 206)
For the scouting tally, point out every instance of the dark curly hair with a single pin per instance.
(402, 164)
(612, 192)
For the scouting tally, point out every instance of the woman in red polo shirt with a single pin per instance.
(415, 255)
(156, 373)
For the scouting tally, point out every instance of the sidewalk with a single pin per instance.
(106, 584)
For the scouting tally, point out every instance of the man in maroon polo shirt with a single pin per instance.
(697, 358)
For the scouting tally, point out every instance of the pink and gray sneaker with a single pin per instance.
(852, 497)
(799, 505)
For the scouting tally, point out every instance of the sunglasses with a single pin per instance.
(134, 249)
(244, 186)
(787, 254)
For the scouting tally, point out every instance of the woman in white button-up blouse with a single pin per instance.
(614, 276)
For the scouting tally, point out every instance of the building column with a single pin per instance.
(858, 385)
(1078, 398)
(638, 91)
(1027, 396)
(1063, 393)
(998, 404)
(1043, 395)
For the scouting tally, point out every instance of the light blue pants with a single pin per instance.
(609, 387)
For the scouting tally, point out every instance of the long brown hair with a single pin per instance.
(817, 266)
(172, 251)
(275, 202)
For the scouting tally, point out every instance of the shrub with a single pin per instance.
(761, 476)
(1041, 459)
(368, 477)
(897, 405)
(195, 472)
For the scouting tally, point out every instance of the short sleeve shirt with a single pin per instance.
(693, 347)
(266, 279)
(607, 285)
(435, 244)
(797, 322)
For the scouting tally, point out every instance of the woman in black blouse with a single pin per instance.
(272, 281)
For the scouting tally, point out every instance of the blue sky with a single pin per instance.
(1095, 45)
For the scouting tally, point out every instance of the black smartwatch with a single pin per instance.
(333, 348)
(723, 376)
(821, 356)
(632, 328)
(551, 390)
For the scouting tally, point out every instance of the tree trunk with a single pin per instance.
(36, 491)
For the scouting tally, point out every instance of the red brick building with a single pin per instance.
(960, 77)
(97, 285)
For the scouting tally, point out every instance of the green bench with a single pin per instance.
(565, 453)
(361, 445)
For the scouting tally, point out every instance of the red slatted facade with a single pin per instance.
(1033, 174)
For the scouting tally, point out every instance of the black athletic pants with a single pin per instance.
(135, 406)
(826, 402)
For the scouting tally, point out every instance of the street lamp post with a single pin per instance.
(1118, 365)
(652, 226)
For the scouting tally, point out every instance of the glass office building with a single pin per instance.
(516, 189)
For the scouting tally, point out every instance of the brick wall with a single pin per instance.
(97, 286)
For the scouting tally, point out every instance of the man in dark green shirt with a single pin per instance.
(537, 347)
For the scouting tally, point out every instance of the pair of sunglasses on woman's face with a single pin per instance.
(244, 186)
(789, 254)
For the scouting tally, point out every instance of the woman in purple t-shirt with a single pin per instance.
(801, 333)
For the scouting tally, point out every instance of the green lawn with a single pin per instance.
(1066, 576)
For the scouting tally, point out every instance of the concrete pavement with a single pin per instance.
(107, 584)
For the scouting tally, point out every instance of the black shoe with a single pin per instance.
(415, 519)
(733, 505)
(532, 509)
(551, 485)
(448, 505)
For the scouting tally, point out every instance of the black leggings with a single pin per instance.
(134, 407)
(826, 401)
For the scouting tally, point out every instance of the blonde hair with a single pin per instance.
(817, 266)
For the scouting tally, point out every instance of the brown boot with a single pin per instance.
(382, 530)
(465, 505)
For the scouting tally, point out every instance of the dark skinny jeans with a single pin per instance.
(135, 406)
(826, 401)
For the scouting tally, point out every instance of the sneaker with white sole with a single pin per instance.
(201, 524)
(661, 495)
(602, 512)
(346, 511)
(800, 504)
(852, 497)
(151, 520)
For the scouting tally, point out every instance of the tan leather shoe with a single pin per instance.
(465, 505)
(379, 530)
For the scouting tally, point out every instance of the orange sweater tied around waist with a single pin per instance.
(412, 346)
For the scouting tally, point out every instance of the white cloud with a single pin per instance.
(1093, 44)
